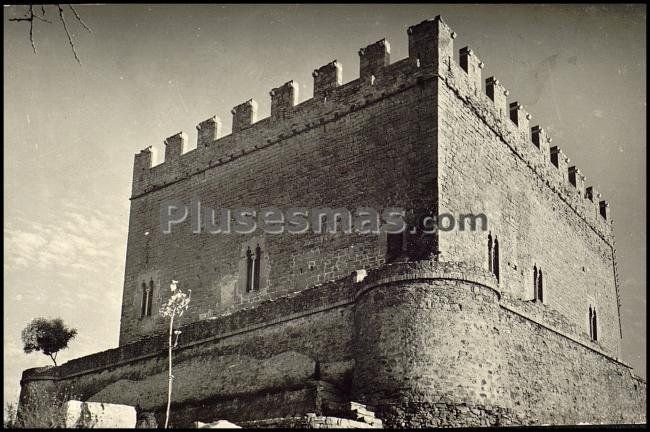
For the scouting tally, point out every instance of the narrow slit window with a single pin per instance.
(143, 304)
(149, 298)
(394, 246)
(490, 256)
(538, 284)
(249, 270)
(257, 263)
(496, 258)
(593, 324)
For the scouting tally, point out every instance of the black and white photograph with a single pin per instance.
(324, 215)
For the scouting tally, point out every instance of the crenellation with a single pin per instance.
(244, 115)
(343, 100)
(540, 138)
(603, 207)
(577, 179)
(356, 94)
(592, 194)
(144, 160)
(499, 95)
(472, 65)
(142, 164)
(521, 118)
(592, 199)
(518, 138)
(374, 58)
(283, 99)
(208, 131)
(542, 141)
(327, 78)
(175, 146)
(431, 42)
(561, 161)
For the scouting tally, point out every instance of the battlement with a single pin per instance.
(431, 57)
(374, 58)
(208, 131)
(283, 99)
(511, 122)
(472, 65)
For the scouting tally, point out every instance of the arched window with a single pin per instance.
(535, 282)
(496, 258)
(256, 265)
(249, 270)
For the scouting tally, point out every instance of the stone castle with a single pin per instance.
(515, 325)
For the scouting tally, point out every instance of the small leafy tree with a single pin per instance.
(175, 306)
(47, 335)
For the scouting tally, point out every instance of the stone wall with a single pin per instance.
(419, 343)
(489, 164)
(425, 348)
(425, 134)
(552, 379)
(368, 143)
(308, 422)
(243, 366)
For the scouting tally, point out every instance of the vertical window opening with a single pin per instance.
(593, 324)
(496, 258)
(149, 298)
(143, 305)
(490, 252)
(394, 246)
(249, 270)
(538, 284)
(256, 266)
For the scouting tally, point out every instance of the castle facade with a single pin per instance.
(518, 324)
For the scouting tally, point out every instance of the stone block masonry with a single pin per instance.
(361, 145)
(541, 217)
(419, 343)
(463, 328)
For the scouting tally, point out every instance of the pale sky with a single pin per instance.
(150, 71)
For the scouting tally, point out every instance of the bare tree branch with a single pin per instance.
(31, 27)
(31, 16)
(43, 19)
(65, 27)
(79, 18)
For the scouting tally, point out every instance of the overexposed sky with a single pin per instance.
(150, 71)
